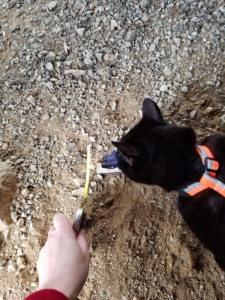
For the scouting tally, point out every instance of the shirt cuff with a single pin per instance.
(47, 294)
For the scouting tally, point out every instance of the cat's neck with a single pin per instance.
(183, 172)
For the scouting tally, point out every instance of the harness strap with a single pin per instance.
(208, 179)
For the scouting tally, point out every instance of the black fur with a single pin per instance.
(157, 153)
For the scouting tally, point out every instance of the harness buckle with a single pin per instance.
(211, 165)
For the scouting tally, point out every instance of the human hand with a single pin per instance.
(63, 262)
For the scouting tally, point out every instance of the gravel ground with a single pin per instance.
(75, 73)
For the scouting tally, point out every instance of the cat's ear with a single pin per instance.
(128, 150)
(150, 111)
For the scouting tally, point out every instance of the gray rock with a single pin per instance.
(131, 35)
(31, 100)
(145, 3)
(80, 31)
(193, 114)
(75, 72)
(50, 56)
(78, 5)
(52, 5)
(152, 47)
(188, 74)
(88, 61)
(167, 71)
(49, 66)
(145, 17)
(184, 89)
(210, 83)
(128, 44)
(164, 88)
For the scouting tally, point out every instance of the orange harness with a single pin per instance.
(208, 179)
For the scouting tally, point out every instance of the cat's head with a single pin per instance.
(153, 150)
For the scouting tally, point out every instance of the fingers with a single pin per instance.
(61, 221)
(82, 241)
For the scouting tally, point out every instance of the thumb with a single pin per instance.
(61, 221)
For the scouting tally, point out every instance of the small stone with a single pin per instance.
(164, 88)
(31, 100)
(78, 5)
(222, 123)
(49, 66)
(188, 74)
(20, 222)
(113, 105)
(152, 47)
(75, 72)
(145, 3)
(193, 114)
(11, 266)
(78, 193)
(14, 216)
(202, 85)
(145, 17)
(167, 71)
(114, 25)
(4, 146)
(33, 168)
(50, 56)
(131, 35)
(211, 83)
(128, 44)
(52, 5)
(172, 240)
(88, 61)
(209, 110)
(80, 31)
(21, 262)
(184, 89)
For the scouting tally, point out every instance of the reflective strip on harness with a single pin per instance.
(207, 158)
(195, 188)
(208, 179)
(213, 184)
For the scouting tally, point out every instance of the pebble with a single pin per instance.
(20, 222)
(210, 83)
(78, 192)
(50, 56)
(31, 100)
(80, 31)
(4, 146)
(172, 240)
(131, 35)
(164, 88)
(188, 74)
(49, 66)
(167, 71)
(193, 114)
(21, 262)
(184, 89)
(113, 105)
(145, 3)
(11, 266)
(52, 5)
(75, 72)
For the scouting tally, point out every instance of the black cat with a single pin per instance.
(157, 153)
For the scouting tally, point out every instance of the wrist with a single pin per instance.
(60, 287)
